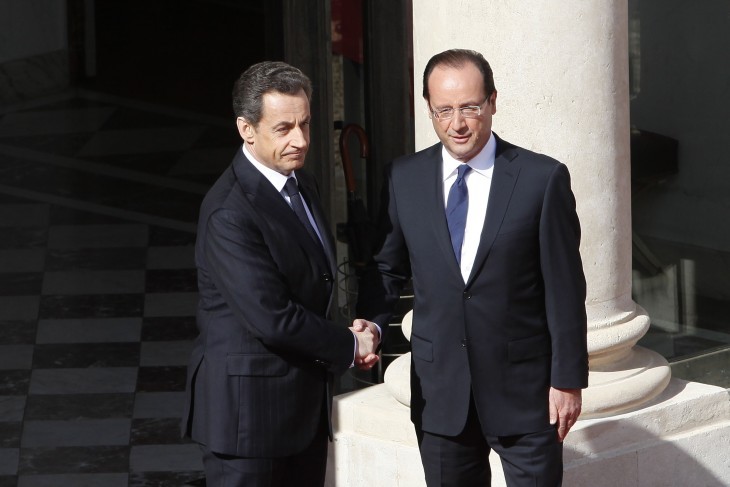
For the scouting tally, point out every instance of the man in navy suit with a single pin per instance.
(489, 234)
(260, 375)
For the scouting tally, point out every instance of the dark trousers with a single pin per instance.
(305, 469)
(534, 459)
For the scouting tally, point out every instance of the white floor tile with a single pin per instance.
(164, 458)
(83, 381)
(159, 354)
(93, 282)
(16, 357)
(158, 404)
(76, 433)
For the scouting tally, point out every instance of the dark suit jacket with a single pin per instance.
(517, 326)
(258, 372)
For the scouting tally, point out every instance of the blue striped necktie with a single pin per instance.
(457, 206)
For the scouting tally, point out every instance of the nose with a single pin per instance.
(458, 120)
(299, 138)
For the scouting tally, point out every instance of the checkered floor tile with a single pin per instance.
(98, 202)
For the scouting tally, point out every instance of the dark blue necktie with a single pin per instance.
(292, 189)
(457, 206)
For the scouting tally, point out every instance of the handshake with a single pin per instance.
(368, 339)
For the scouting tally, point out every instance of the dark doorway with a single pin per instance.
(177, 53)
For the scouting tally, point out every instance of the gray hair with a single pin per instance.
(262, 78)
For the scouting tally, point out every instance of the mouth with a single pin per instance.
(460, 138)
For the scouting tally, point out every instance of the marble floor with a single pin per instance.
(98, 202)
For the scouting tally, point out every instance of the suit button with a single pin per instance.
(327, 277)
(463, 342)
(467, 295)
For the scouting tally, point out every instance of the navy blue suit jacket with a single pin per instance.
(517, 326)
(258, 372)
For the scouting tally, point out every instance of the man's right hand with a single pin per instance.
(368, 339)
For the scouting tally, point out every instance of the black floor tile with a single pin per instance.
(171, 280)
(96, 259)
(161, 379)
(10, 434)
(165, 237)
(78, 406)
(166, 479)
(18, 332)
(169, 328)
(99, 306)
(14, 382)
(92, 459)
(156, 431)
(163, 202)
(84, 355)
(21, 283)
(23, 237)
(8, 481)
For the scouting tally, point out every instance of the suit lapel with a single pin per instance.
(269, 201)
(504, 177)
(434, 204)
(308, 191)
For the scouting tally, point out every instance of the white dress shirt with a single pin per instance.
(478, 182)
(278, 180)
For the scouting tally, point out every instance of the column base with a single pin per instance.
(680, 438)
(625, 384)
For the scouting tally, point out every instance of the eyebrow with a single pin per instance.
(286, 123)
(464, 105)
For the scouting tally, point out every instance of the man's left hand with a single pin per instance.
(565, 407)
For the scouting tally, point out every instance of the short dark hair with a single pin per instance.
(457, 58)
(261, 78)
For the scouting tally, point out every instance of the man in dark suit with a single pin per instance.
(489, 234)
(258, 391)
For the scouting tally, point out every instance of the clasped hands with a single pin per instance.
(368, 339)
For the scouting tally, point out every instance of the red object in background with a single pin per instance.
(347, 29)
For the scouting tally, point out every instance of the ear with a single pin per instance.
(245, 129)
(493, 102)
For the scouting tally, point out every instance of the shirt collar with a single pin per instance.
(483, 162)
(277, 179)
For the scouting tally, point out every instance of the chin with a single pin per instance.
(462, 152)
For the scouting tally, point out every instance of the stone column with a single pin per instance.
(562, 81)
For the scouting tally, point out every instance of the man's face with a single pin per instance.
(281, 139)
(454, 88)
